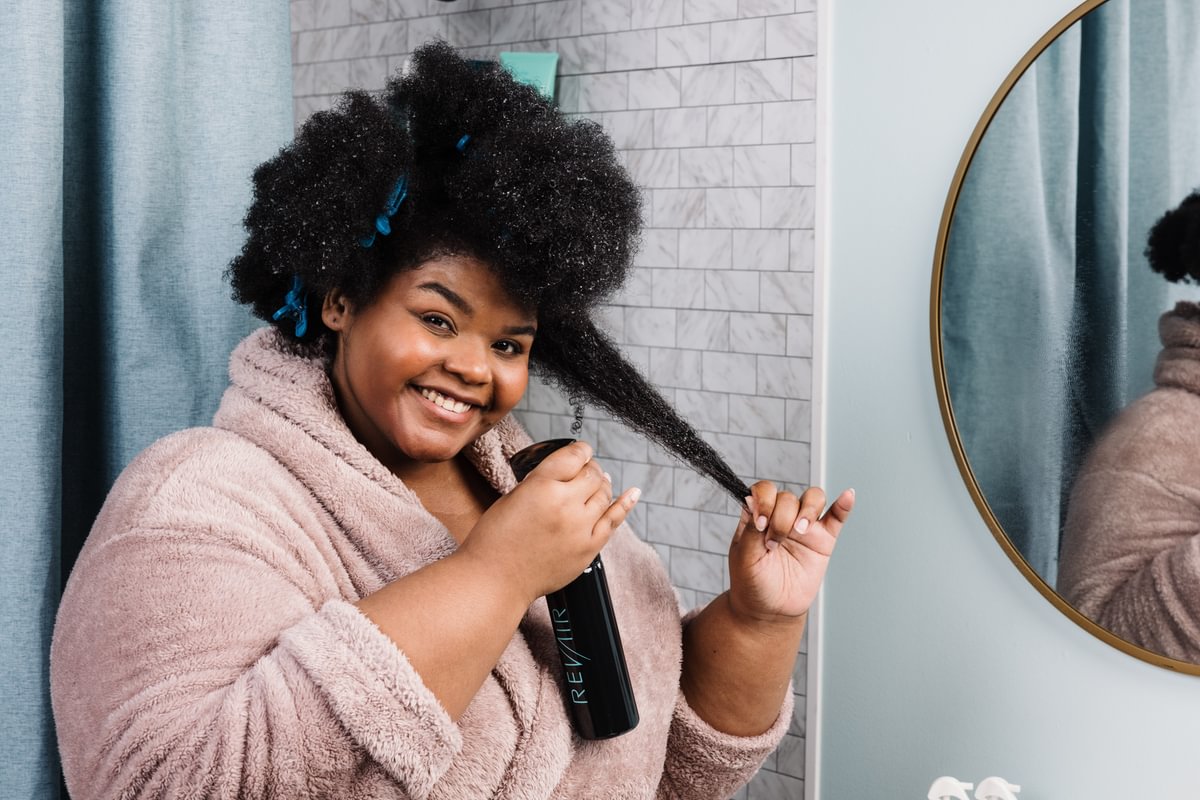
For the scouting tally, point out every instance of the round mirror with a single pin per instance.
(1045, 319)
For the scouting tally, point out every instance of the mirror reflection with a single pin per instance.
(1049, 320)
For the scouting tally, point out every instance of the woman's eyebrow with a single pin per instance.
(459, 302)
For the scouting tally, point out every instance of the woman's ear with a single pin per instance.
(335, 310)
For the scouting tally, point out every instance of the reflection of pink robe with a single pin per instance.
(1131, 547)
(206, 645)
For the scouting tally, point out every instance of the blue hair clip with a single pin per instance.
(383, 222)
(295, 306)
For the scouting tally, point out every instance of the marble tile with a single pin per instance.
(424, 29)
(799, 718)
(368, 11)
(789, 121)
(677, 208)
(790, 207)
(740, 40)
(677, 369)
(733, 208)
(804, 165)
(798, 424)
(702, 329)
(677, 527)
(715, 532)
(542, 397)
(731, 290)
(728, 372)
(708, 85)
(793, 35)
(800, 336)
(705, 249)
(709, 10)
(310, 47)
(804, 78)
(369, 74)
(303, 15)
(536, 424)
(655, 13)
(654, 88)
(764, 8)
(693, 490)
(738, 451)
(683, 45)
(801, 251)
(629, 50)
(630, 129)
(680, 127)
(638, 356)
(790, 759)
(760, 249)
(605, 16)
(653, 327)
(559, 18)
(764, 334)
(799, 674)
(611, 320)
(784, 376)
(762, 81)
(782, 461)
(707, 411)
(762, 165)
(515, 24)
(806, 5)
(664, 552)
(767, 785)
(637, 288)
(604, 91)
(348, 42)
(329, 77)
(734, 125)
(406, 9)
(305, 107)
(656, 482)
(659, 248)
(787, 292)
(330, 13)
(757, 416)
(678, 288)
(580, 55)
(617, 441)
(387, 38)
(470, 29)
(653, 168)
(478, 5)
(706, 167)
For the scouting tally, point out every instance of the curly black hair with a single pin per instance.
(491, 169)
(1173, 247)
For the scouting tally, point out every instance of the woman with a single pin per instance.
(336, 590)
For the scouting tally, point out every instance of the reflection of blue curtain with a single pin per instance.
(128, 131)
(1049, 311)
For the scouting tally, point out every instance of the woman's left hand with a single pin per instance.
(778, 556)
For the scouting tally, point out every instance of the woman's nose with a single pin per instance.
(469, 361)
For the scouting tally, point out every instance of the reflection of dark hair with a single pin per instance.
(543, 200)
(1173, 248)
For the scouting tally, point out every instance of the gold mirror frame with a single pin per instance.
(939, 367)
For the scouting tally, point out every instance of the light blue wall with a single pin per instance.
(938, 657)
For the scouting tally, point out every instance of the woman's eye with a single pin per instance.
(437, 321)
(509, 348)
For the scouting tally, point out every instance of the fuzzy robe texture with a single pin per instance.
(207, 645)
(1131, 544)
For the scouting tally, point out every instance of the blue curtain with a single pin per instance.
(128, 132)
(1049, 309)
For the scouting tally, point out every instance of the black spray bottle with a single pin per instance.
(595, 678)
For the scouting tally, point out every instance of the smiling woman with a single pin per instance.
(336, 590)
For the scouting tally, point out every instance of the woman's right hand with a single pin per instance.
(546, 531)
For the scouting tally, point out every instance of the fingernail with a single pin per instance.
(771, 545)
(635, 494)
(801, 525)
(608, 477)
(851, 491)
(750, 503)
(761, 523)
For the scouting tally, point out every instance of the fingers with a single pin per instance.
(782, 516)
(838, 513)
(566, 462)
(616, 513)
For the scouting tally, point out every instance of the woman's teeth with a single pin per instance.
(447, 403)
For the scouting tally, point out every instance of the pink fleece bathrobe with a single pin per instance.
(207, 645)
(1131, 544)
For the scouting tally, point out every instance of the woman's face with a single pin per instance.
(435, 361)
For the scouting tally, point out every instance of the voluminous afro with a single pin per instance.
(492, 170)
(1173, 247)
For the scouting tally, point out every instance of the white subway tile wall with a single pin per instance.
(711, 105)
